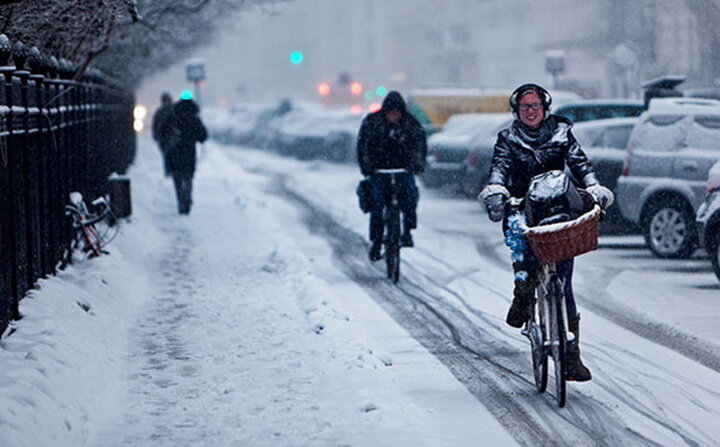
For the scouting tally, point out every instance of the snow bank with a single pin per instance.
(58, 361)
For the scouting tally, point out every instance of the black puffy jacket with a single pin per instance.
(384, 145)
(517, 158)
(181, 156)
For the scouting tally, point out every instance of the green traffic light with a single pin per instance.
(296, 57)
(187, 94)
(381, 91)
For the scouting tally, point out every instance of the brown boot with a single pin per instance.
(521, 308)
(575, 370)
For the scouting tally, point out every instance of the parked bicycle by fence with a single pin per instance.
(62, 129)
(92, 231)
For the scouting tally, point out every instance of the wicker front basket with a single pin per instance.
(565, 240)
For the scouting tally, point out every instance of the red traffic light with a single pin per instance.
(323, 89)
(356, 88)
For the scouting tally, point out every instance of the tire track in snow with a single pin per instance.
(486, 368)
(605, 305)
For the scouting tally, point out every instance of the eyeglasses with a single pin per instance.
(534, 106)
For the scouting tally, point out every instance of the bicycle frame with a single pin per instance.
(83, 224)
(392, 225)
(547, 327)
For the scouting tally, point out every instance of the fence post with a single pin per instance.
(29, 162)
(7, 264)
(57, 201)
(40, 142)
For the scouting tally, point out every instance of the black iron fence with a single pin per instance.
(57, 134)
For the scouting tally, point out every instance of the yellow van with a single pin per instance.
(433, 107)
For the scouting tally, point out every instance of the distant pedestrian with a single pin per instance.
(185, 129)
(160, 130)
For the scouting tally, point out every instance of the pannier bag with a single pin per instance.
(363, 192)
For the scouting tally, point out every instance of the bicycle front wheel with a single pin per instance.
(558, 337)
(392, 246)
(539, 356)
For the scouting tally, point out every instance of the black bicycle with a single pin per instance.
(392, 224)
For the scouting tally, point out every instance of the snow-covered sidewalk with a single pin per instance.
(231, 326)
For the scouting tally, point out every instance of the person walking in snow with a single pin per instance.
(160, 121)
(391, 138)
(185, 130)
(535, 143)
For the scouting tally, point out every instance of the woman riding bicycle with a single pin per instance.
(535, 143)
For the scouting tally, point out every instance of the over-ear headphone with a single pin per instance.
(520, 91)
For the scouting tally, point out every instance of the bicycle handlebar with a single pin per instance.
(391, 171)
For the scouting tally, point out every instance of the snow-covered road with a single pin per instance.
(257, 320)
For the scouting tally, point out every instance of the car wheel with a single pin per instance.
(713, 248)
(670, 230)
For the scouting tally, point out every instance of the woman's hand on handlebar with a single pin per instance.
(495, 205)
(602, 195)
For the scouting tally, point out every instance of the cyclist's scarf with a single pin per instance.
(534, 138)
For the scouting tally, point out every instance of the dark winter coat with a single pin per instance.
(520, 155)
(160, 121)
(385, 145)
(181, 157)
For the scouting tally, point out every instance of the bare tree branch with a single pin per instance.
(128, 38)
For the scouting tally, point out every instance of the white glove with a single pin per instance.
(494, 197)
(491, 190)
(603, 196)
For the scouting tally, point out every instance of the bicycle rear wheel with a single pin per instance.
(558, 338)
(392, 245)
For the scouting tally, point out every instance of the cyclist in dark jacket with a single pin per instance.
(186, 129)
(391, 138)
(160, 122)
(535, 143)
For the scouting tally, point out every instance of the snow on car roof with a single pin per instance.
(684, 106)
(605, 122)
(603, 102)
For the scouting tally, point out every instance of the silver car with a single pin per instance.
(708, 219)
(448, 150)
(670, 151)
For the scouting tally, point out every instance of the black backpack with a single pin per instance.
(553, 197)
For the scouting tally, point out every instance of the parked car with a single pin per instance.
(245, 119)
(476, 166)
(708, 219)
(604, 142)
(669, 154)
(219, 124)
(597, 109)
(342, 139)
(318, 134)
(448, 150)
(301, 134)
